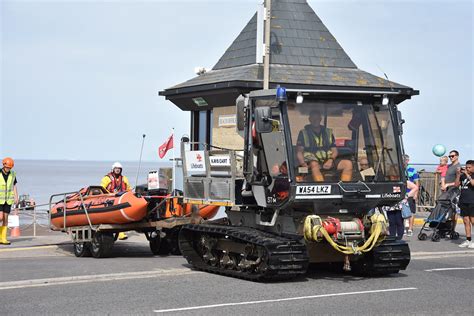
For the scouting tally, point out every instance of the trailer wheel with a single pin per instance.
(173, 243)
(82, 249)
(155, 245)
(101, 245)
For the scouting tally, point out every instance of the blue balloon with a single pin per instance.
(439, 150)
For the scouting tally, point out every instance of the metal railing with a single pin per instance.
(34, 215)
(429, 190)
(64, 200)
(37, 215)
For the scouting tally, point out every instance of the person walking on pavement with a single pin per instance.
(465, 179)
(412, 191)
(448, 182)
(115, 182)
(395, 220)
(8, 196)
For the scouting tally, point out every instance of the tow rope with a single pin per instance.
(315, 232)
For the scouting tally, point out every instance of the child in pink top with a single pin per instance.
(443, 166)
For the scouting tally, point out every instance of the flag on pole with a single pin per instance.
(163, 149)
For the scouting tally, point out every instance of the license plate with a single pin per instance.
(313, 189)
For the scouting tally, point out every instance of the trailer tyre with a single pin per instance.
(82, 249)
(101, 245)
(155, 244)
(173, 243)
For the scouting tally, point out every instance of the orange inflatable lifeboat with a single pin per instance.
(102, 207)
(208, 211)
(174, 208)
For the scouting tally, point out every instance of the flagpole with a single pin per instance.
(174, 163)
(140, 161)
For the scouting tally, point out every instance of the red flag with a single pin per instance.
(163, 149)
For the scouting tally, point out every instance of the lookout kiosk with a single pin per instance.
(303, 55)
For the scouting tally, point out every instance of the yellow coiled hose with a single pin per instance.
(314, 231)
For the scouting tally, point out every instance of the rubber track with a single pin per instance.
(391, 255)
(287, 258)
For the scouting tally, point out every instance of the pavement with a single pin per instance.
(46, 237)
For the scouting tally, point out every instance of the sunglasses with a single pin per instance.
(452, 156)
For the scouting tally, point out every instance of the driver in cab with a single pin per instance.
(316, 150)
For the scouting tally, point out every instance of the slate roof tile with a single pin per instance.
(307, 51)
(291, 33)
(304, 60)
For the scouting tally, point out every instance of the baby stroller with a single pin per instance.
(441, 219)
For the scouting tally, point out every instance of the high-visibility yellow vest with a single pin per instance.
(6, 189)
(318, 145)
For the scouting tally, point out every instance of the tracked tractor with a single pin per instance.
(308, 187)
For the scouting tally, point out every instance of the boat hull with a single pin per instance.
(101, 209)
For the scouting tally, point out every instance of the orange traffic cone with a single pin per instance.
(14, 224)
(15, 232)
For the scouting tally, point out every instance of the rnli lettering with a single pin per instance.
(313, 189)
(195, 162)
(391, 196)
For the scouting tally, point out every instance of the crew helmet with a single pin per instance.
(117, 165)
(8, 162)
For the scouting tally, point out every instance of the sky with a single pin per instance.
(80, 79)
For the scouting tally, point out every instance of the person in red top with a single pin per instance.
(443, 166)
(115, 182)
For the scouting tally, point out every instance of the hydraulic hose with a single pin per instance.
(315, 232)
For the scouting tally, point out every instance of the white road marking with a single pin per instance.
(27, 248)
(94, 278)
(449, 269)
(280, 300)
(423, 255)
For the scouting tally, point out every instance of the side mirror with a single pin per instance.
(263, 119)
(401, 121)
(240, 105)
